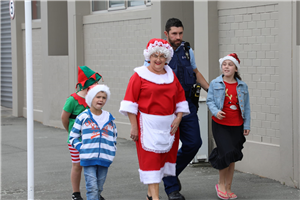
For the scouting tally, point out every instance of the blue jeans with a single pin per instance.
(94, 180)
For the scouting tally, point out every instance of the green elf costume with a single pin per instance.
(76, 104)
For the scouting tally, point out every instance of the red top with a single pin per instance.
(233, 116)
(154, 99)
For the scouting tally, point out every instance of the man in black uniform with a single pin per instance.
(184, 66)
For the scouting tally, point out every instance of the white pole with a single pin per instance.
(29, 87)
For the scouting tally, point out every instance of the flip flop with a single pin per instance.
(232, 195)
(221, 195)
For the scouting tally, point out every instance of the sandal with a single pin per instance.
(149, 198)
(221, 195)
(232, 195)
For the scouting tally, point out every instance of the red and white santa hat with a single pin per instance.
(93, 91)
(159, 46)
(233, 57)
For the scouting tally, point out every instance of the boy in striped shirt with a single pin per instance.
(94, 135)
(74, 105)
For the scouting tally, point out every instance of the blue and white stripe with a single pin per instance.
(96, 146)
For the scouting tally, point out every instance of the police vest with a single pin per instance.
(181, 66)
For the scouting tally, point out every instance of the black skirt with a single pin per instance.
(229, 141)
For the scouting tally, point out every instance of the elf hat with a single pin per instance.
(160, 46)
(86, 77)
(233, 57)
(93, 91)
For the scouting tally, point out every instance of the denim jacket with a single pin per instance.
(216, 97)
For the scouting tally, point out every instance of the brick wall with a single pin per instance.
(253, 34)
(114, 49)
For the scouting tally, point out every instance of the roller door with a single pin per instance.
(6, 66)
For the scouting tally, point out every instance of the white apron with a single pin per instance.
(155, 132)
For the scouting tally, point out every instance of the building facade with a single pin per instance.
(110, 39)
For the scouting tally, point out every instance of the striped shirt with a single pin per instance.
(96, 144)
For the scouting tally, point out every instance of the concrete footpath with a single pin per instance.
(53, 163)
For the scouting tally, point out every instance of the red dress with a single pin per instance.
(157, 96)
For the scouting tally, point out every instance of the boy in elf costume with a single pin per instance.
(75, 104)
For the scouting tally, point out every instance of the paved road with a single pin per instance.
(53, 164)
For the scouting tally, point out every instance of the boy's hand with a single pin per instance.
(65, 119)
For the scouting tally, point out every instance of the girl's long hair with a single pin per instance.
(237, 75)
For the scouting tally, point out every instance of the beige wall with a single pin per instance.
(17, 60)
(289, 92)
(252, 32)
(206, 46)
(297, 125)
(296, 92)
(57, 21)
(113, 46)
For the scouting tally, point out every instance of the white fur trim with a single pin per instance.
(182, 107)
(155, 176)
(237, 64)
(128, 107)
(159, 47)
(145, 73)
(94, 90)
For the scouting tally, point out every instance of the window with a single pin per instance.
(100, 5)
(114, 4)
(36, 9)
(135, 3)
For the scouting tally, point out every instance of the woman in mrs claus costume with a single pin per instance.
(155, 103)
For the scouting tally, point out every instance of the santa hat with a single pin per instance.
(93, 91)
(233, 57)
(86, 77)
(160, 46)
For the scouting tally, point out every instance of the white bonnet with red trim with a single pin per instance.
(233, 57)
(160, 46)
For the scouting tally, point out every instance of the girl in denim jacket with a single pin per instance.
(228, 101)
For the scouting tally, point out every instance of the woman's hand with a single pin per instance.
(246, 132)
(175, 123)
(134, 134)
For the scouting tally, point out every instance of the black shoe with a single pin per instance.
(179, 184)
(149, 198)
(76, 196)
(101, 197)
(176, 196)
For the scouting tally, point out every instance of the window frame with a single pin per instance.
(125, 7)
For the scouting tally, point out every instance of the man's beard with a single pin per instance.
(173, 44)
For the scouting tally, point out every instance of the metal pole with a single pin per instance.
(29, 87)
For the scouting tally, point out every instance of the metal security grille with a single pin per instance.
(6, 66)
